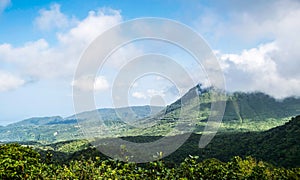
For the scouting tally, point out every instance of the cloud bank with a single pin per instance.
(263, 36)
(39, 60)
(270, 30)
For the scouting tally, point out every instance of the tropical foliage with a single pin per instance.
(18, 162)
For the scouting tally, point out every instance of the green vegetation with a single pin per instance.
(279, 146)
(272, 154)
(17, 162)
(256, 140)
(54, 129)
(244, 112)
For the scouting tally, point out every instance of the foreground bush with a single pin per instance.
(17, 162)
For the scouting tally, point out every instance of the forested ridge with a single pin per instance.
(272, 154)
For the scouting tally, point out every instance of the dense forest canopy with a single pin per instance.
(272, 154)
(17, 162)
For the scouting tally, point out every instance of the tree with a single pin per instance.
(18, 162)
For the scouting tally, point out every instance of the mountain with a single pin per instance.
(259, 106)
(111, 115)
(241, 106)
(244, 112)
(36, 121)
(56, 128)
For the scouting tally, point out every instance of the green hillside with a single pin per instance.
(244, 112)
(271, 154)
(278, 146)
(37, 121)
(56, 128)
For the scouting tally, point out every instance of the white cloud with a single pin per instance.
(124, 55)
(248, 22)
(40, 60)
(139, 95)
(88, 83)
(52, 18)
(257, 69)
(35, 59)
(101, 83)
(4, 4)
(148, 94)
(92, 26)
(273, 65)
(9, 81)
(153, 92)
(253, 60)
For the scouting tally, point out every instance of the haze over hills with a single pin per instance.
(105, 114)
(56, 128)
(244, 112)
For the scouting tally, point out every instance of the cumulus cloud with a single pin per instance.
(245, 21)
(255, 59)
(89, 83)
(40, 60)
(153, 92)
(9, 81)
(268, 33)
(92, 26)
(148, 94)
(271, 67)
(123, 55)
(101, 83)
(139, 95)
(4, 4)
(256, 69)
(52, 18)
(35, 59)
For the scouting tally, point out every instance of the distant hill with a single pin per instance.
(37, 121)
(56, 128)
(111, 115)
(244, 112)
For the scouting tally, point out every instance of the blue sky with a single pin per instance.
(256, 43)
